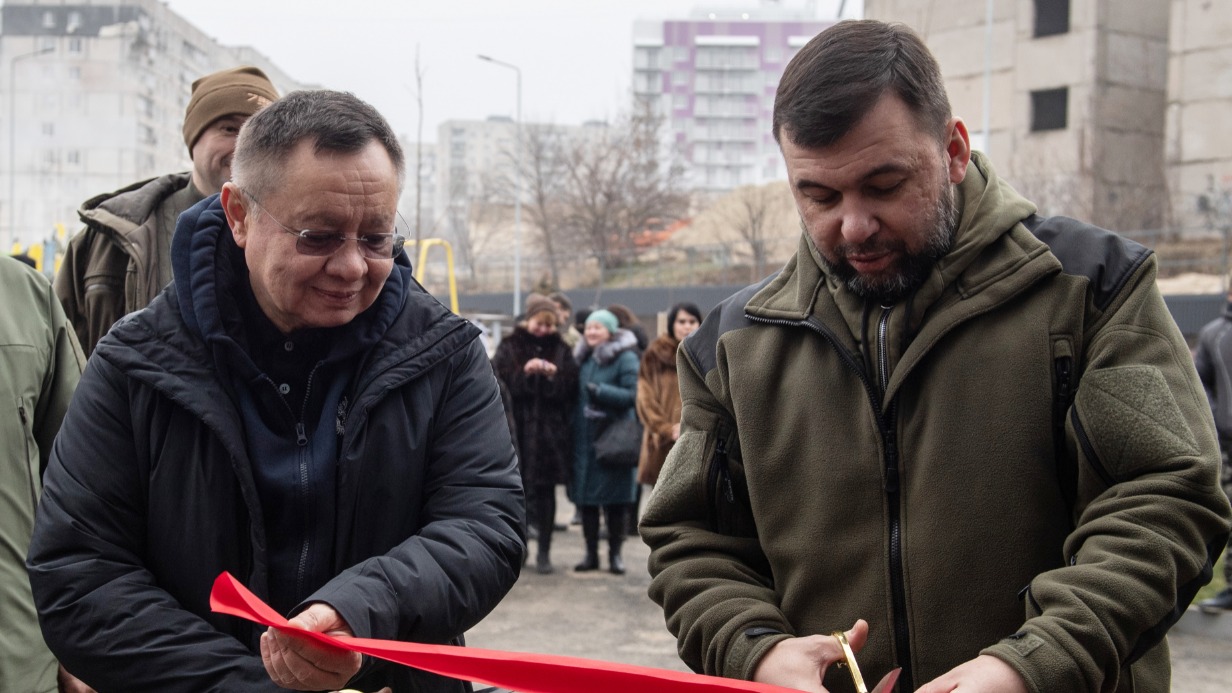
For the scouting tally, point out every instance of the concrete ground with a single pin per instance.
(607, 617)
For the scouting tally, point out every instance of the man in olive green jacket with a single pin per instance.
(973, 432)
(40, 364)
(121, 260)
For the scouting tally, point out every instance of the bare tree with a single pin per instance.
(474, 216)
(749, 212)
(616, 181)
(544, 170)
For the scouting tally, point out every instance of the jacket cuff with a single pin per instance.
(747, 649)
(1042, 664)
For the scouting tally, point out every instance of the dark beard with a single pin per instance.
(913, 268)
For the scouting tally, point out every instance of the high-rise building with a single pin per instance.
(712, 78)
(95, 93)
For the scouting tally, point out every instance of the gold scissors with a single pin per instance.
(850, 661)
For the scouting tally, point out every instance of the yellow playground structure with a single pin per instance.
(421, 265)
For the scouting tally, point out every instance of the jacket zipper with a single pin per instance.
(26, 433)
(718, 480)
(1067, 478)
(305, 454)
(902, 639)
(1089, 450)
(898, 587)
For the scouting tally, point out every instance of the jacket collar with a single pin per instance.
(129, 208)
(622, 341)
(991, 212)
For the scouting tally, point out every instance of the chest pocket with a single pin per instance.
(20, 398)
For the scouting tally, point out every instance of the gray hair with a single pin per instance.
(334, 121)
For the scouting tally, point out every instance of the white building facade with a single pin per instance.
(95, 94)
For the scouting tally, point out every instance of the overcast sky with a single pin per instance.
(575, 55)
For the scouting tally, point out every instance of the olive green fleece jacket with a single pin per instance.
(1018, 460)
(121, 260)
(40, 364)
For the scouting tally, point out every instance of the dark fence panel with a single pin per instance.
(1191, 312)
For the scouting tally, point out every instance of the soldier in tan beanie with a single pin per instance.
(121, 260)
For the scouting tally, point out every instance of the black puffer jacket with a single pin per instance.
(150, 495)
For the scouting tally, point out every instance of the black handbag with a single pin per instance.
(620, 444)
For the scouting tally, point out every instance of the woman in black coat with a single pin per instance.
(538, 369)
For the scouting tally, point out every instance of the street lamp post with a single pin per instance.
(13, 140)
(517, 202)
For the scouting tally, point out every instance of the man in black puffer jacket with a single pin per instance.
(296, 410)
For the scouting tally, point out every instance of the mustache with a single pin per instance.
(875, 244)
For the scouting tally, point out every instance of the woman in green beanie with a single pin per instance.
(607, 392)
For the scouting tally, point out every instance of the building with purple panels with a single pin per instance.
(712, 79)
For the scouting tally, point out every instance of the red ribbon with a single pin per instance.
(518, 671)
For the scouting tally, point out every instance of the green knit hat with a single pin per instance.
(606, 318)
(238, 91)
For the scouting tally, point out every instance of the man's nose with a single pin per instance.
(858, 223)
(347, 262)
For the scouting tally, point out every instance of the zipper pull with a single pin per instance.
(300, 436)
(21, 411)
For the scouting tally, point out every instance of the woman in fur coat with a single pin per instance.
(540, 374)
(658, 391)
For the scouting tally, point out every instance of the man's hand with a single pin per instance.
(984, 673)
(801, 663)
(295, 662)
(67, 683)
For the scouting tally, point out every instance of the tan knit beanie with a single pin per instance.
(238, 91)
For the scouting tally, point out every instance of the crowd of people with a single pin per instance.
(956, 437)
(563, 399)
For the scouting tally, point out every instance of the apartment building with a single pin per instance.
(712, 78)
(1108, 110)
(95, 94)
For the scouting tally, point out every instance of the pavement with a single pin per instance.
(608, 617)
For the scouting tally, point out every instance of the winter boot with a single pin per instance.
(590, 530)
(615, 537)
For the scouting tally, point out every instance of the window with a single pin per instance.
(74, 45)
(1049, 109)
(1051, 17)
(49, 129)
(49, 20)
(73, 156)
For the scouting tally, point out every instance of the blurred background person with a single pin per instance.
(1213, 361)
(538, 370)
(40, 364)
(658, 393)
(628, 321)
(607, 391)
(564, 313)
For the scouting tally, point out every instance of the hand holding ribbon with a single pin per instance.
(522, 672)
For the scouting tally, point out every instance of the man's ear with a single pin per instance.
(957, 149)
(237, 213)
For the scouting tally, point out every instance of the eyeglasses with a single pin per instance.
(377, 246)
